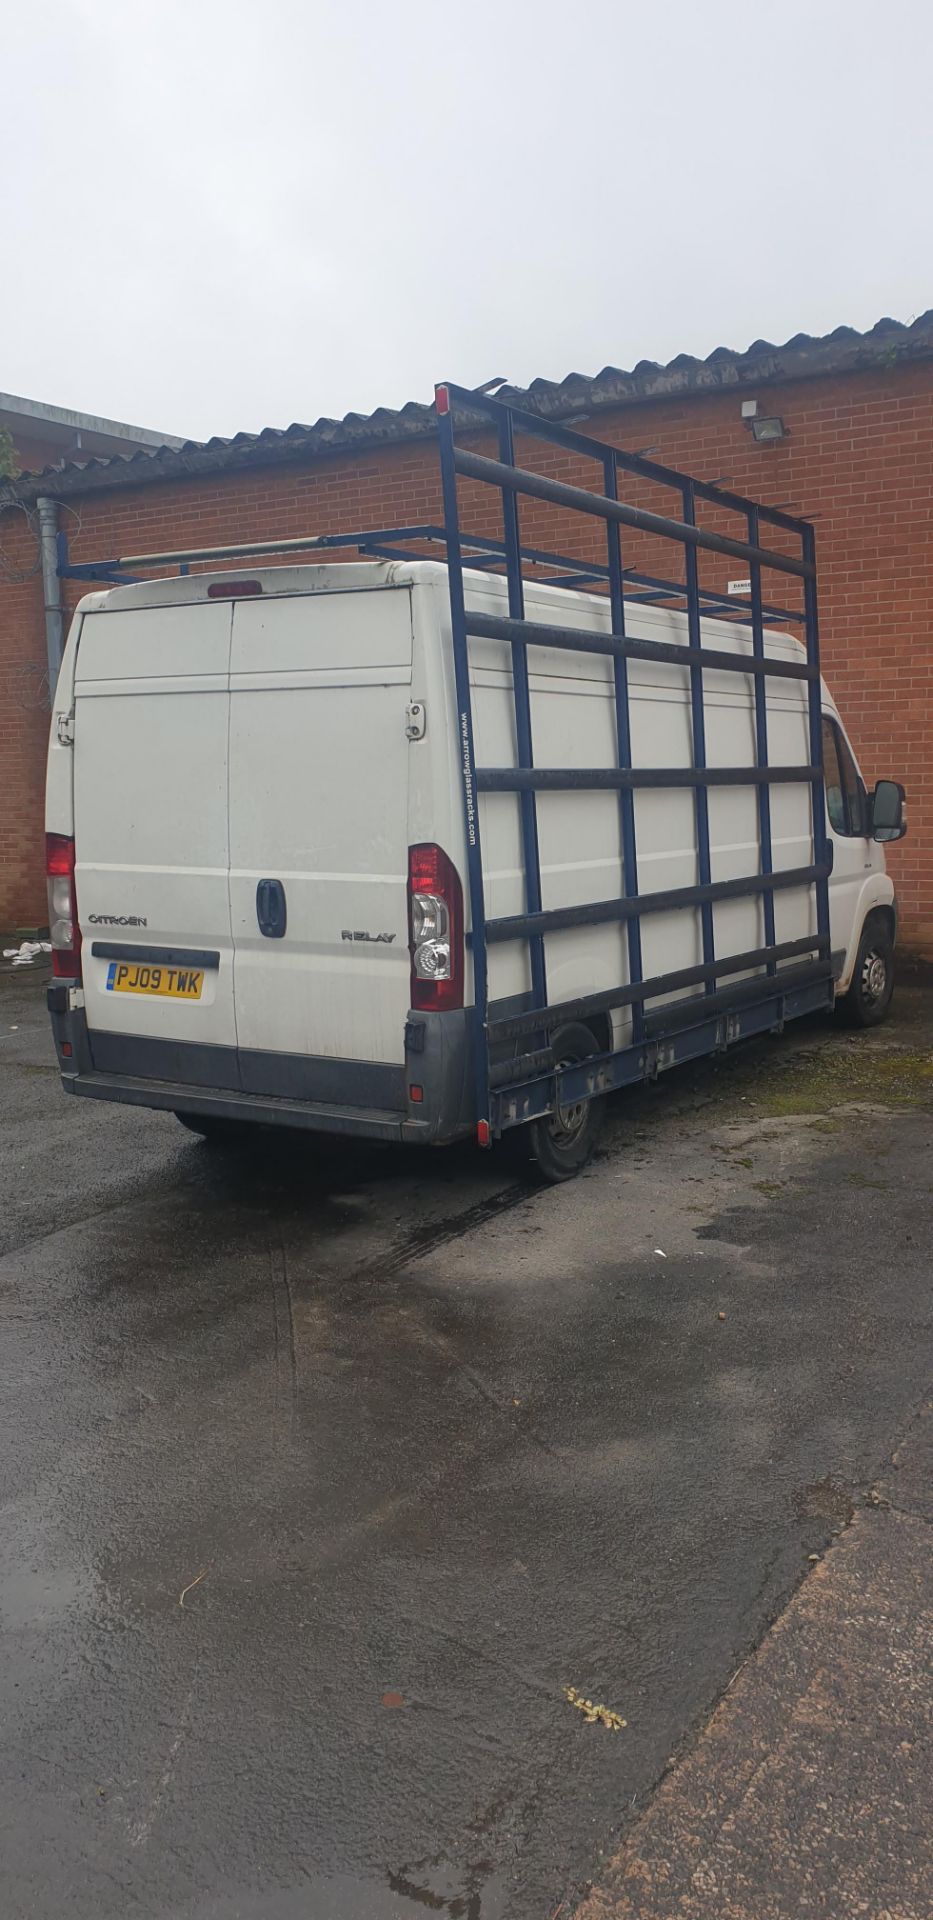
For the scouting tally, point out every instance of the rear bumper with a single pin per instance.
(312, 1115)
(333, 1098)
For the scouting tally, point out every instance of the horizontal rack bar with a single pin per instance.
(513, 1026)
(305, 543)
(541, 556)
(475, 466)
(504, 1073)
(678, 1013)
(596, 779)
(551, 431)
(714, 603)
(599, 913)
(493, 626)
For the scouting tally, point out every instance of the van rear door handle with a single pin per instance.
(270, 909)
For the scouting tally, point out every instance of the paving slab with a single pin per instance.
(810, 1791)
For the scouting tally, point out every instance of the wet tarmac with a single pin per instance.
(324, 1473)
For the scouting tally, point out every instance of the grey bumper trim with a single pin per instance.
(375, 1085)
(313, 1116)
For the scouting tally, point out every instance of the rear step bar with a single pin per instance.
(371, 1123)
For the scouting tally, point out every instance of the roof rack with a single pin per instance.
(480, 551)
(718, 1009)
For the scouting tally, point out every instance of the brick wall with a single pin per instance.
(859, 462)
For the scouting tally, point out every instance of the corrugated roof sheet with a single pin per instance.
(888, 343)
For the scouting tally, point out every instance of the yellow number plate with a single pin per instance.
(139, 976)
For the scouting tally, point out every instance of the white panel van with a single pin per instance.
(258, 875)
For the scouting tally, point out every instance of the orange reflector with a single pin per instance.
(483, 1133)
(416, 1094)
(66, 1049)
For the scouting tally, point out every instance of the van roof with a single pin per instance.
(310, 577)
(374, 575)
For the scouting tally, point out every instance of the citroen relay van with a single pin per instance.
(262, 901)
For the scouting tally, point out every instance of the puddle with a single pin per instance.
(435, 1886)
(428, 1886)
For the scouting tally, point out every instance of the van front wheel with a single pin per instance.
(869, 996)
(559, 1144)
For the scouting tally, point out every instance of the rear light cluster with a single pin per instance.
(435, 930)
(64, 931)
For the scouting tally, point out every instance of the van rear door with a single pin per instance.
(319, 769)
(152, 849)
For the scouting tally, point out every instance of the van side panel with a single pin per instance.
(573, 725)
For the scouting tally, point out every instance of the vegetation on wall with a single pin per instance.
(9, 466)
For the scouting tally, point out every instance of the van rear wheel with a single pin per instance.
(559, 1144)
(869, 996)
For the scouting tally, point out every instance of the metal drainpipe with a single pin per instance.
(51, 589)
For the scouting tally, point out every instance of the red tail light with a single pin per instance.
(64, 931)
(435, 930)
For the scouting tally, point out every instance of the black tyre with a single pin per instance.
(212, 1128)
(558, 1146)
(869, 996)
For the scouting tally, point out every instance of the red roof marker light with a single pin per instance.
(234, 589)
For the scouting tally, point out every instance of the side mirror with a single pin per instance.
(888, 819)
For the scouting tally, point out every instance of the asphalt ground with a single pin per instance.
(325, 1472)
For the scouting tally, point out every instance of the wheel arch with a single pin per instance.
(886, 913)
(600, 1025)
(876, 897)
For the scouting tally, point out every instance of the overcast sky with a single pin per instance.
(220, 215)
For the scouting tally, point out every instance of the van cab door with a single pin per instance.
(319, 769)
(151, 841)
(854, 854)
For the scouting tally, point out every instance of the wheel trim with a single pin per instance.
(874, 978)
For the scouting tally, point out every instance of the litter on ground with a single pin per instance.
(594, 1712)
(27, 952)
